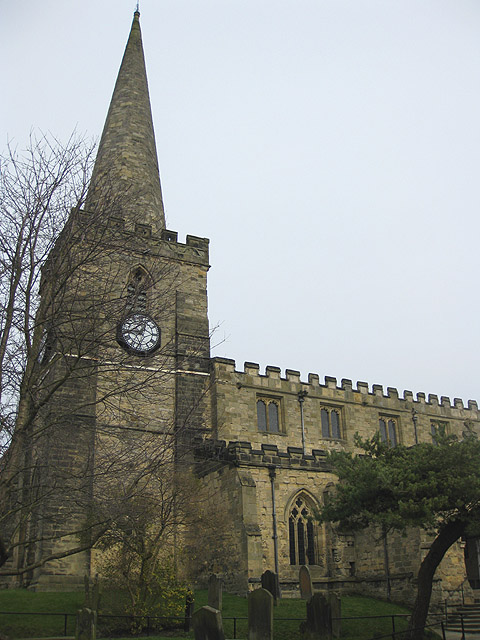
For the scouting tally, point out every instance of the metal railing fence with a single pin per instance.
(235, 627)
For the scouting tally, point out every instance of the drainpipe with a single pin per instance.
(414, 418)
(272, 474)
(301, 400)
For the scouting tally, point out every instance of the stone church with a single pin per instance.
(257, 441)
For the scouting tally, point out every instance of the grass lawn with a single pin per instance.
(287, 616)
(24, 602)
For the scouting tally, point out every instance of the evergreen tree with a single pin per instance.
(434, 486)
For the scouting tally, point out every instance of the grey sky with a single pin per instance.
(330, 150)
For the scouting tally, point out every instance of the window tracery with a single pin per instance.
(137, 287)
(388, 427)
(330, 422)
(268, 414)
(302, 532)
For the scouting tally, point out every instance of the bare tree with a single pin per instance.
(139, 549)
(87, 430)
(37, 190)
(173, 525)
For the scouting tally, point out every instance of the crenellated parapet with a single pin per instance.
(240, 453)
(358, 408)
(194, 249)
(141, 237)
(291, 382)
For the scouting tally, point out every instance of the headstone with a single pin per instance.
(260, 615)
(215, 592)
(207, 624)
(319, 618)
(86, 628)
(305, 580)
(336, 613)
(269, 582)
(189, 609)
(92, 593)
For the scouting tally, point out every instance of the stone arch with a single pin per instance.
(139, 282)
(314, 501)
(303, 531)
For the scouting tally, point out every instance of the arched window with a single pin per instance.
(268, 414)
(388, 431)
(273, 416)
(137, 287)
(330, 420)
(301, 531)
(325, 423)
(335, 423)
(262, 415)
(438, 428)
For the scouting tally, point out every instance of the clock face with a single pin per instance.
(139, 334)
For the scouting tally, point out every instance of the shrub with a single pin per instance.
(144, 586)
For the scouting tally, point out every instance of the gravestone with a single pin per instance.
(86, 627)
(207, 624)
(189, 609)
(319, 618)
(269, 582)
(305, 580)
(92, 593)
(260, 615)
(336, 613)
(215, 592)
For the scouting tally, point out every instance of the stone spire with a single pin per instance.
(125, 179)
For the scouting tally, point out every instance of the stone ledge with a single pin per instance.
(241, 453)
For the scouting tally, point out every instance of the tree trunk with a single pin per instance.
(449, 534)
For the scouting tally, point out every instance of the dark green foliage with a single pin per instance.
(425, 486)
(433, 486)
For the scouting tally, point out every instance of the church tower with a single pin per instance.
(122, 383)
(125, 345)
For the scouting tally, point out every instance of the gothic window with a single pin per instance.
(137, 287)
(268, 414)
(301, 532)
(330, 419)
(388, 430)
(437, 428)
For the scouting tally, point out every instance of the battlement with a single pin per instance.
(242, 453)
(142, 236)
(190, 241)
(291, 382)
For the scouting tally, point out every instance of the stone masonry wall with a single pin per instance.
(352, 563)
(360, 408)
(232, 546)
(164, 392)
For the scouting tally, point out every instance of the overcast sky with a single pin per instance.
(330, 150)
